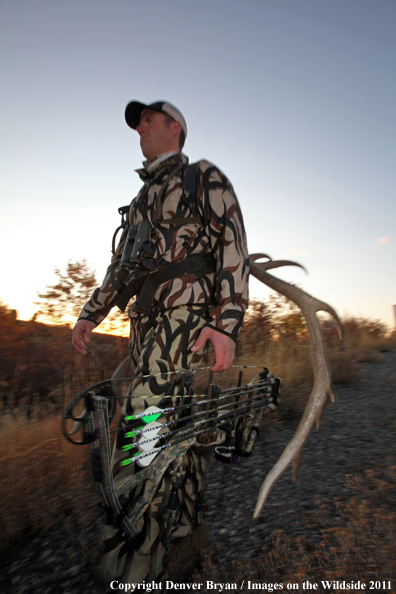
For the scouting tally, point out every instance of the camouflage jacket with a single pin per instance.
(223, 295)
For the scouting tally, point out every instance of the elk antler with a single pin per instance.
(321, 388)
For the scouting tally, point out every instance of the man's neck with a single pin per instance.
(161, 166)
(150, 165)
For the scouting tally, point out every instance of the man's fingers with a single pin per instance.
(224, 348)
(81, 334)
(88, 332)
(204, 335)
(78, 340)
(224, 359)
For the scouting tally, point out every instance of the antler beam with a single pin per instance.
(322, 385)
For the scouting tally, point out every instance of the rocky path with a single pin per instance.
(358, 432)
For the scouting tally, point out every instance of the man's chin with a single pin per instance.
(147, 154)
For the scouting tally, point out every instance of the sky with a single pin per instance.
(294, 100)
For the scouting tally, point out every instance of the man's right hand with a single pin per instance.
(82, 334)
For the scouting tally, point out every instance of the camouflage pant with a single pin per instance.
(159, 347)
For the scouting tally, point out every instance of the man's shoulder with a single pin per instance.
(205, 165)
(210, 169)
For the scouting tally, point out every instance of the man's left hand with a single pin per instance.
(224, 348)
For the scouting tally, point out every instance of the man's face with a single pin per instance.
(156, 136)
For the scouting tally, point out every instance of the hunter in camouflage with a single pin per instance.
(185, 313)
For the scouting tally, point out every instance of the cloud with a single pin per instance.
(383, 240)
(299, 252)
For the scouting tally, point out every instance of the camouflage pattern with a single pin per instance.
(158, 346)
(223, 294)
(247, 431)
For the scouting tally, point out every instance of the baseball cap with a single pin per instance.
(134, 110)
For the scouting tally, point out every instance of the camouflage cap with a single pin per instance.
(134, 110)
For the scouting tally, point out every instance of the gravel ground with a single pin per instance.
(357, 433)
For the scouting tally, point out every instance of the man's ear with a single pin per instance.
(176, 128)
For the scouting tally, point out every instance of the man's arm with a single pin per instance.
(101, 302)
(220, 208)
(96, 309)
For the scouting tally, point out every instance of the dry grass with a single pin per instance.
(45, 479)
(46, 484)
(36, 465)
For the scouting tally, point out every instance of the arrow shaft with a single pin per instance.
(224, 394)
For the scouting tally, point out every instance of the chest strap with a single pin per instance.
(179, 221)
(197, 264)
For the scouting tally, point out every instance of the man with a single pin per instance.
(197, 293)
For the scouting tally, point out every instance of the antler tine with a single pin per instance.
(279, 263)
(321, 389)
(273, 263)
(254, 257)
(319, 305)
(322, 306)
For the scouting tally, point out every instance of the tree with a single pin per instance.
(63, 301)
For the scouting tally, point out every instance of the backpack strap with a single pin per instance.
(190, 191)
(190, 182)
